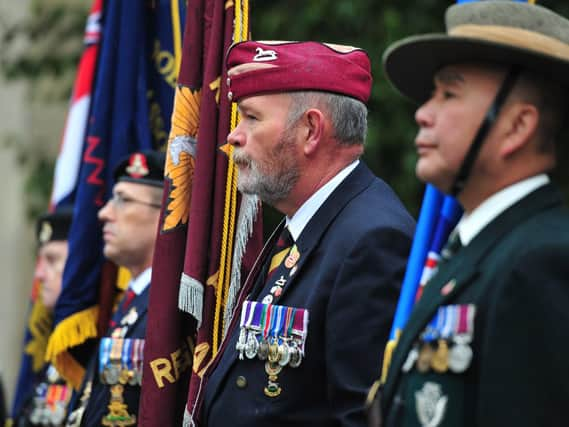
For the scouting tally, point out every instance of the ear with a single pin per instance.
(521, 125)
(314, 122)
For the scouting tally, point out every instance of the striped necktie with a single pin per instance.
(280, 251)
(124, 303)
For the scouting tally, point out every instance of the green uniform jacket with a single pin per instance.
(516, 274)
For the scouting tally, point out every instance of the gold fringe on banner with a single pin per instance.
(74, 330)
(224, 283)
(40, 324)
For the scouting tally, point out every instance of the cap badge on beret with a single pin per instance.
(137, 166)
(265, 55)
(45, 232)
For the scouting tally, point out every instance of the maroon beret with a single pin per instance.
(257, 68)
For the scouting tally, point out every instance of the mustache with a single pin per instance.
(241, 158)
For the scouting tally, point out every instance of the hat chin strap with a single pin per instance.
(485, 126)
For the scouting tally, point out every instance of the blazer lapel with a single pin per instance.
(139, 305)
(360, 178)
(460, 271)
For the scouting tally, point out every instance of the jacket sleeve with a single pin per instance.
(359, 317)
(524, 378)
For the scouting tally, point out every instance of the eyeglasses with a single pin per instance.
(119, 201)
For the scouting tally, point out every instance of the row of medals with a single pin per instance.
(50, 414)
(282, 350)
(276, 352)
(116, 373)
(441, 355)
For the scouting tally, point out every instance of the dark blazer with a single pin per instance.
(352, 259)
(97, 406)
(516, 273)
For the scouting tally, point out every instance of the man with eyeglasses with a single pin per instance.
(111, 388)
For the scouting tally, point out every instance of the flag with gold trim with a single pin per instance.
(40, 320)
(130, 111)
(209, 235)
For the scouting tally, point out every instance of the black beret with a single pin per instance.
(142, 167)
(54, 225)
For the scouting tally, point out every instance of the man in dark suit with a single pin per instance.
(111, 388)
(45, 396)
(487, 345)
(314, 315)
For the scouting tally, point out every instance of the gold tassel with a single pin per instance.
(39, 325)
(74, 330)
(388, 354)
(69, 369)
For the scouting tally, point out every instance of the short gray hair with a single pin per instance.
(348, 115)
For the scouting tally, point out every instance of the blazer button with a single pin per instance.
(241, 381)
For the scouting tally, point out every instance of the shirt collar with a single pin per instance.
(471, 224)
(303, 215)
(140, 283)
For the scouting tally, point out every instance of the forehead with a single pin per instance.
(470, 74)
(54, 248)
(272, 102)
(132, 188)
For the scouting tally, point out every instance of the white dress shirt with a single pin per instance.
(471, 224)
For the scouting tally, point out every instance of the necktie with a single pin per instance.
(280, 251)
(123, 305)
(452, 246)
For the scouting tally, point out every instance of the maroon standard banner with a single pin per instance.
(188, 263)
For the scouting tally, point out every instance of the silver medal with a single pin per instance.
(112, 372)
(58, 414)
(252, 346)
(411, 359)
(294, 356)
(459, 358)
(263, 351)
(284, 354)
(241, 342)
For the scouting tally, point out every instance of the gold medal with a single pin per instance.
(124, 376)
(272, 389)
(272, 369)
(118, 415)
(273, 355)
(439, 362)
(425, 356)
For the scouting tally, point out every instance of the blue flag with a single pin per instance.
(130, 111)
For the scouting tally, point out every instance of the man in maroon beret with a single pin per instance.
(314, 315)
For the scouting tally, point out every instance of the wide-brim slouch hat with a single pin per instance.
(497, 32)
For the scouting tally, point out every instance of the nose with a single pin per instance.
(105, 212)
(39, 272)
(236, 138)
(424, 116)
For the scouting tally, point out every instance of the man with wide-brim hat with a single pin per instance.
(484, 345)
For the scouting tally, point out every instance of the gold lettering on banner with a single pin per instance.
(200, 354)
(171, 368)
(157, 124)
(162, 369)
(165, 64)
